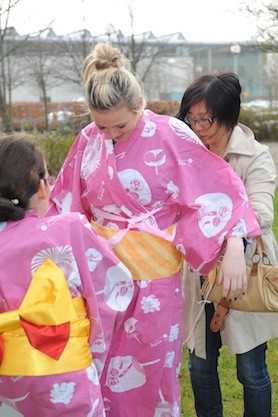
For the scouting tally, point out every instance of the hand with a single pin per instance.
(233, 270)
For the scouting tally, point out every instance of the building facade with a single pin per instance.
(48, 66)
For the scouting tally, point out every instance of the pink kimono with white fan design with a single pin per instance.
(156, 197)
(32, 381)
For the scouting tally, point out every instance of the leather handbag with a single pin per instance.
(262, 287)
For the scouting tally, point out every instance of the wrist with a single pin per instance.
(235, 243)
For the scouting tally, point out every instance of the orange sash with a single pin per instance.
(147, 256)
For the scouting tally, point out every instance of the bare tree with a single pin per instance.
(143, 51)
(74, 49)
(4, 53)
(11, 52)
(265, 15)
(41, 65)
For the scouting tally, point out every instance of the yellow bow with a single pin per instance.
(46, 329)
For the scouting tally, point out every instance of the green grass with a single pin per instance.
(231, 388)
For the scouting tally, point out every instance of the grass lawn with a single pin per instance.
(231, 388)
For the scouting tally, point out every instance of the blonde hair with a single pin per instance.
(107, 82)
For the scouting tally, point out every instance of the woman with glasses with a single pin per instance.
(211, 107)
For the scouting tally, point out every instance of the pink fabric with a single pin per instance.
(161, 175)
(88, 265)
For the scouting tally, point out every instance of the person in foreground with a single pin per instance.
(211, 107)
(156, 190)
(49, 318)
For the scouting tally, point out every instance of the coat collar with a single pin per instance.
(241, 141)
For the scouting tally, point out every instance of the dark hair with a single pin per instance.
(219, 92)
(22, 165)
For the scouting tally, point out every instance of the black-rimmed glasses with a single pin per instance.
(204, 122)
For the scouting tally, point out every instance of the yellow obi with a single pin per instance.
(146, 255)
(49, 332)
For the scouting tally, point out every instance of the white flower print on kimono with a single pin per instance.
(62, 393)
(169, 359)
(150, 304)
(174, 332)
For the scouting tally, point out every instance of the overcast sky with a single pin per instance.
(197, 20)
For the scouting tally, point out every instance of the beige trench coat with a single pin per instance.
(242, 331)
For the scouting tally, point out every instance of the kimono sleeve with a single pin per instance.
(214, 205)
(66, 194)
(107, 285)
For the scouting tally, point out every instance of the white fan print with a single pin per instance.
(64, 258)
(134, 183)
(155, 158)
(126, 373)
(149, 129)
(215, 210)
(119, 289)
(163, 407)
(94, 407)
(91, 158)
(93, 258)
(9, 407)
(63, 201)
(178, 127)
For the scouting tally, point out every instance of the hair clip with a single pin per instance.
(15, 201)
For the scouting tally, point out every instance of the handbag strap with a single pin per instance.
(219, 314)
(260, 250)
(260, 246)
(259, 255)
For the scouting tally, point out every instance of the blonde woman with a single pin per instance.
(142, 180)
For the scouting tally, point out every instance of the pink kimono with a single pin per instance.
(164, 186)
(86, 267)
